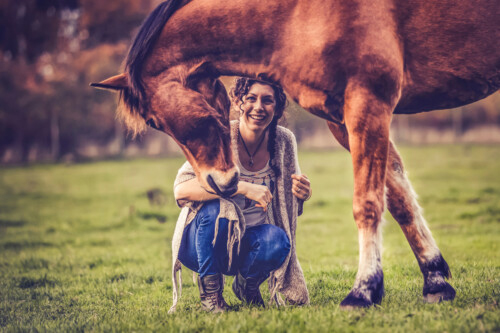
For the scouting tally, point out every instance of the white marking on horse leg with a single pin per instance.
(369, 279)
(428, 249)
(403, 205)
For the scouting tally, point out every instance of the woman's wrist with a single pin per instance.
(242, 188)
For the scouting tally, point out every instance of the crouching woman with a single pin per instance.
(252, 235)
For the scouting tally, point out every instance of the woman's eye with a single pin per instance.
(251, 99)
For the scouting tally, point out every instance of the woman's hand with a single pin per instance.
(255, 192)
(301, 187)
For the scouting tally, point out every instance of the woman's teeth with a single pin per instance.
(257, 117)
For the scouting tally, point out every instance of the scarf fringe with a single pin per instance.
(274, 287)
(180, 281)
(177, 288)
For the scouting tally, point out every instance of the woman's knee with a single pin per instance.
(206, 226)
(209, 211)
(275, 241)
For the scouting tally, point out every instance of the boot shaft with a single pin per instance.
(210, 284)
(211, 288)
(247, 290)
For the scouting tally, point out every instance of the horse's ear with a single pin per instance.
(117, 82)
(204, 70)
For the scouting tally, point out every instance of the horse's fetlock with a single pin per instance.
(366, 292)
(435, 267)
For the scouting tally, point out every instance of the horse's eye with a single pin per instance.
(151, 123)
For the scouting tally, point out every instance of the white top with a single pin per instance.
(255, 216)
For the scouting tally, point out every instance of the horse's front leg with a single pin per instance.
(367, 119)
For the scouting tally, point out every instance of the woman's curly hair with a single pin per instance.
(241, 87)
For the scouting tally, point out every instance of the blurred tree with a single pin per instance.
(111, 21)
(49, 51)
(28, 28)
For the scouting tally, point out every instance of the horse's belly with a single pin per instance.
(446, 92)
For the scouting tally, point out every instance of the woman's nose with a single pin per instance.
(258, 105)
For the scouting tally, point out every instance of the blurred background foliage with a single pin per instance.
(51, 49)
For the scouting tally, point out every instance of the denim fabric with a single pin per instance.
(263, 247)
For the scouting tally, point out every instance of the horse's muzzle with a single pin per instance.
(227, 190)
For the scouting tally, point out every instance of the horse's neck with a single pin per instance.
(238, 36)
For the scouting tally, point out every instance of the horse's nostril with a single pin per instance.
(233, 182)
(213, 185)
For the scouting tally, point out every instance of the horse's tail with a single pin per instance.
(141, 47)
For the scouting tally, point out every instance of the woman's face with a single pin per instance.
(258, 107)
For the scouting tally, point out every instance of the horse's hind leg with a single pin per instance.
(403, 205)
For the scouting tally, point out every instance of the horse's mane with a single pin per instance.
(142, 45)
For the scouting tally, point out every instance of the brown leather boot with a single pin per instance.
(247, 290)
(211, 287)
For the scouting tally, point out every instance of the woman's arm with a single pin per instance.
(191, 190)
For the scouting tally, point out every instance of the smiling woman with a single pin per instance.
(252, 234)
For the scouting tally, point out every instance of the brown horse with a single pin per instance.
(352, 63)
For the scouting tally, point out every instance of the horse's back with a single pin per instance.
(445, 52)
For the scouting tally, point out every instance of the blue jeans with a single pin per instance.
(263, 247)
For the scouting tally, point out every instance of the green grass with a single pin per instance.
(81, 249)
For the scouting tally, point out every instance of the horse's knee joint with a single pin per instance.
(401, 212)
(367, 213)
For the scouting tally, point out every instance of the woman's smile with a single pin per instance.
(258, 117)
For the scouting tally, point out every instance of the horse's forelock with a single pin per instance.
(129, 113)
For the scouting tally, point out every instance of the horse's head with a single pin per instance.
(191, 105)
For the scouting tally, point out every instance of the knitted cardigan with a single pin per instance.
(288, 280)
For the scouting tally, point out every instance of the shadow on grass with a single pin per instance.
(29, 282)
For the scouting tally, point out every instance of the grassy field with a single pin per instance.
(81, 249)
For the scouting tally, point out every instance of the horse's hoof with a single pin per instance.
(446, 293)
(353, 302)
